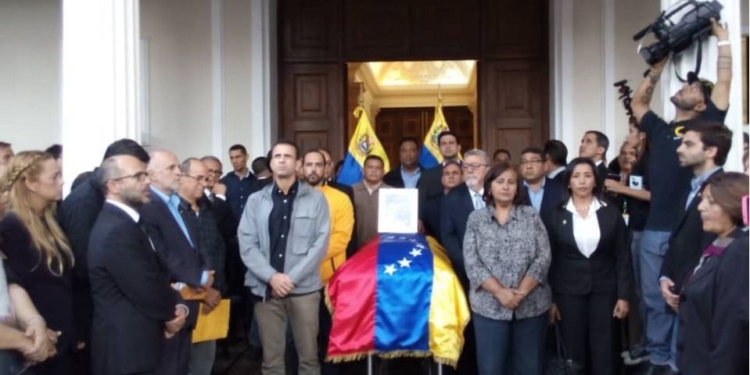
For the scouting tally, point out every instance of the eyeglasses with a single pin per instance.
(199, 179)
(472, 165)
(140, 177)
(535, 161)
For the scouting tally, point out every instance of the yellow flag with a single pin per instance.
(430, 155)
(364, 142)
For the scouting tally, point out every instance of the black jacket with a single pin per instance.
(459, 204)
(686, 243)
(607, 270)
(429, 186)
(132, 297)
(184, 261)
(76, 216)
(394, 178)
(713, 317)
(551, 199)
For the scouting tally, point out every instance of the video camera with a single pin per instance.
(677, 28)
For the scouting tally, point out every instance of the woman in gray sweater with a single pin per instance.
(507, 257)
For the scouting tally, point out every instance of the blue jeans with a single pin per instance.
(510, 346)
(659, 323)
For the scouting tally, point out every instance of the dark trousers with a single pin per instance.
(590, 332)
(325, 321)
(510, 346)
(176, 357)
(83, 360)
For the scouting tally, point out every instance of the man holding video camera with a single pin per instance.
(698, 98)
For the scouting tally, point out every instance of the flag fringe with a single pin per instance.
(392, 355)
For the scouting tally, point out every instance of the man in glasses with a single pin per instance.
(457, 205)
(544, 193)
(77, 215)
(197, 214)
(178, 248)
(135, 307)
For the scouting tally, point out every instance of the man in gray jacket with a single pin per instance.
(283, 237)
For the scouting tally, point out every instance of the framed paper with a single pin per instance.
(398, 211)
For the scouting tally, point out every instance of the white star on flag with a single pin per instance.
(416, 252)
(404, 263)
(390, 269)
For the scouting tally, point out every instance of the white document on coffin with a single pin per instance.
(398, 211)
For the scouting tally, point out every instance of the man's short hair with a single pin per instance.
(556, 152)
(314, 151)
(5, 144)
(238, 147)
(374, 157)
(533, 150)
(501, 151)
(108, 170)
(55, 150)
(713, 134)
(452, 162)
(447, 133)
(259, 165)
(478, 152)
(211, 158)
(601, 139)
(409, 139)
(185, 166)
(127, 147)
(288, 143)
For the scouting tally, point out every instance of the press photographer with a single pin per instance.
(671, 184)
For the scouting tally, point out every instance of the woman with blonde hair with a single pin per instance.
(37, 252)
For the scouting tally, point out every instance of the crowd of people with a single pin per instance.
(113, 278)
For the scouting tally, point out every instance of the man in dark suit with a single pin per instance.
(429, 183)
(407, 175)
(594, 145)
(544, 193)
(555, 160)
(134, 306)
(77, 215)
(457, 205)
(177, 247)
(452, 177)
(704, 149)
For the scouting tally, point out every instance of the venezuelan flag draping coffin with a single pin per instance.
(397, 297)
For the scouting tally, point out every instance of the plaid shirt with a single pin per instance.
(210, 243)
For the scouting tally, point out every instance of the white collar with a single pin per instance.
(596, 204)
(128, 210)
(472, 192)
(556, 172)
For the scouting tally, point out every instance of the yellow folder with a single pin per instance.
(214, 325)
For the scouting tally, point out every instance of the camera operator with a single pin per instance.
(669, 182)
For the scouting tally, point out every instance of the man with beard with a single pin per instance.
(178, 249)
(458, 204)
(134, 306)
(697, 99)
(342, 226)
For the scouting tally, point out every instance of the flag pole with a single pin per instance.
(369, 364)
(361, 98)
(440, 93)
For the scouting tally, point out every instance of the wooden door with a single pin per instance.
(394, 124)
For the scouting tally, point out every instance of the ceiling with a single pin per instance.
(411, 77)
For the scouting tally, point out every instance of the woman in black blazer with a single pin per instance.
(713, 316)
(37, 251)
(591, 273)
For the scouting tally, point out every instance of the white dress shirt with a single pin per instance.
(586, 230)
(128, 210)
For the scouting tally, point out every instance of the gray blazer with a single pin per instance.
(306, 245)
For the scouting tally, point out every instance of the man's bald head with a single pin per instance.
(164, 170)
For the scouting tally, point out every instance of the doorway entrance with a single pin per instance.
(320, 40)
(400, 98)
